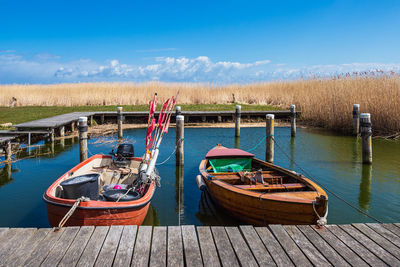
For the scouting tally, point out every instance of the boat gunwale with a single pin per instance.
(95, 204)
(274, 196)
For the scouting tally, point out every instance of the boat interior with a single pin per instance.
(257, 176)
(111, 174)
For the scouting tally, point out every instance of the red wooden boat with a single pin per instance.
(111, 190)
(259, 192)
(100, 212)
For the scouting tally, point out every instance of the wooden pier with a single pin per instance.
(275, 245)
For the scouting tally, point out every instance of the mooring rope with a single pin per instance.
(71, 211)
(173, 152)
(334, 194)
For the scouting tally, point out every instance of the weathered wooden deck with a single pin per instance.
(337, 245)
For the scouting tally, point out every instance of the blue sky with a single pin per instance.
(207, 41)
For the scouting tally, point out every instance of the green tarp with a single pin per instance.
(230, 164)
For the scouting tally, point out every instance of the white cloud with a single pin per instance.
(46, 68)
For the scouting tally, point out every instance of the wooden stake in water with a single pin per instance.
(119, 119)
(61, 131)
(293, 120)
(8, 151)
(366, 136)
(237, 120)
(178, 110)
(356, 119)
(269, 143)
(180, 126)
(83, 128)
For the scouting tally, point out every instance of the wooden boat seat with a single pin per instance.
(261, 187)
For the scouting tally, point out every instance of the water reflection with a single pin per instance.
(151, 217)
(292, 152)
(179, 208)
(365, 187)
(5, 174)
(237, 142)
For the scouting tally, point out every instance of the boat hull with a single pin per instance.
(93, 212)
(97, 217)
(262, 211)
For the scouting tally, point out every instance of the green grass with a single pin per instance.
(29, 113)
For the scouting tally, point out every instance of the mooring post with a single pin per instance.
(120, 119)
(269, 133)
(178, 110)
(180, 128)
(8, 151)
(83, 128)
(293, 120)
(52, 135)
(237, 120)
(356, 119)
(366, 136)
(102, 118)
(61, 131)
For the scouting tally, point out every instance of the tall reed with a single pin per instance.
(323, 102)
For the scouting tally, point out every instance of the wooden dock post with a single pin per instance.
(269, 143)
(293, 120)
(8, 151)
(73, 126)
(237, 120)
(356, 119)
(61, 131)
(83, 128)
(120, 119)
(102, 119)
(180, 128)
(178, 110)
(366, 136)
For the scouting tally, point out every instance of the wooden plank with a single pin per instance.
(290, 247)
(6, 237)
(392, 227)
(352, 243)
(75, 250)
(159, 247)
(142, 247)
(207, 247)
(242, 251)
(344, 251)
(16, 241)
(60, 247)
(191, 246)
(380, 240)
(371, 245)
(256, 245)
(385, 233)
(224, 247)
(329, 253)
(306, 246)
(126, 244)
(278, 254)
(22, 252)
(89, 255)
(43, 248)
(110, 245)
(175, 247)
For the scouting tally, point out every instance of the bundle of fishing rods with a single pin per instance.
(156, 129)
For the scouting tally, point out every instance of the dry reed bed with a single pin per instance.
(323, 102)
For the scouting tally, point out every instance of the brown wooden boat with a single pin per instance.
(258, 192)
(98, 210)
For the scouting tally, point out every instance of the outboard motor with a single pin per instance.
(123, 155)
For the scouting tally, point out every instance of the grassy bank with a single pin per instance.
(323, 102)
(29, 113)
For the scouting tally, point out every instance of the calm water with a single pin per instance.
(334, 161)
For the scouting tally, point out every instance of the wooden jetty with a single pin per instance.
(275, 245)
